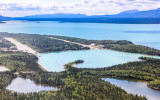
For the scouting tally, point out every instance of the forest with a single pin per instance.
(147, 69)
(119, 45)
(73, 83)
(43, 43)
(20, 62)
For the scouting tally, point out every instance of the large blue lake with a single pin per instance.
(92, 58)
(146, 34)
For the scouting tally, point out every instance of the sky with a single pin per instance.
(19, 8)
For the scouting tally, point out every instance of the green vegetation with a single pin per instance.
(133, 49)
(154, 84)
(73, 63)
(121, 45)
(48, 78)
(75, 83)
(20, 62)
(80, 86)
(96, 42)
(79, 61)
(6, 47)
(148, 69)
(42, 43)
(5, 79)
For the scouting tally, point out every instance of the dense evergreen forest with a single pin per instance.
(42, 43)
(148, 69)
(20, 62)
(120, 45)
(74, 83)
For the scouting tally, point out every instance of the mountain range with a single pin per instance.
(126, 17)
(126, 14)
(2, 18)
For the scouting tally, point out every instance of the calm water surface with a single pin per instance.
(2, 69)
(135, 87)
(27, 86)
(92, 59)
(145, 34)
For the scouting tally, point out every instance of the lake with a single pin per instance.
(92, 58)
(22, 85)
(2, 69)
(144, 34)
(135, 87)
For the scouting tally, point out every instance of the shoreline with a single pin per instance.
(91, 46)
(44, 85)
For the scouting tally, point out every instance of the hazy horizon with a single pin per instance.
(20, 8)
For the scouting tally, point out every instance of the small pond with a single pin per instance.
(135, 87)
(22, 85)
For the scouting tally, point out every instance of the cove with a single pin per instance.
(2, 69)
(92, 58)
(22, 85)
(135, 87)
(143, 34)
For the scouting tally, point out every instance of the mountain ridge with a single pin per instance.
(125, 14)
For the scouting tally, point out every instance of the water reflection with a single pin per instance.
(135, 87)
(27, 86)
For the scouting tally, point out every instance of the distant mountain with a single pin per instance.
(2, 18)
(137, 14)
(126, 17)
(58, 15)
(126, 14)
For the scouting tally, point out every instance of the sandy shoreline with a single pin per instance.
(21, 47)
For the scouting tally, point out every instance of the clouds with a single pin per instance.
(89, 7)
